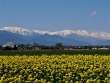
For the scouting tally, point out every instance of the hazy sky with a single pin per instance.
(92, 15)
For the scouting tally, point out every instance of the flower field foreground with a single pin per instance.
(55, 69)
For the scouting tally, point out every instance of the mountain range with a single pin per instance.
(21, 35)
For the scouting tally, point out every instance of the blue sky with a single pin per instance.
(92, 15)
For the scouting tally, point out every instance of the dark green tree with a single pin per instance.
(59, 46)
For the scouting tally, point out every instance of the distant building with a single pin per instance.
(104, 48)
(9, 46)
(94, 48)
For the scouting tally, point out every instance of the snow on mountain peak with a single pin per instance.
(41, 32)
(84, 33)
(19, 30)
(63, 33)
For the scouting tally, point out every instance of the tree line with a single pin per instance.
(57, 46)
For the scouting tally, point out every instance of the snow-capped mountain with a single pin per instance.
(101, 35)
(68, 37)
(17, 30)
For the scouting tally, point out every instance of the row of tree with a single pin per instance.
(35, 46)
(58, 46)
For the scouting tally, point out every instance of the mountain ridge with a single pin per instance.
(63, 33)
(67, 37)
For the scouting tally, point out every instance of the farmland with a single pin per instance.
(53, 52)
(55, 69)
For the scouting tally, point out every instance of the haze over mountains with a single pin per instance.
(21, 35)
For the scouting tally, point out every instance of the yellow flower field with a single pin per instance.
(55, 69)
